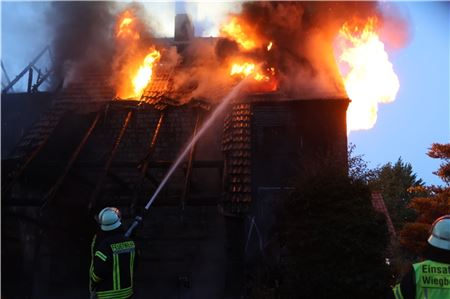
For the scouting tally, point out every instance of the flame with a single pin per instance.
(246, 69)
(135, 60)
(145, 72)
(368, 75)
(236, 32)
(264, 80)
(126, 26)
(243, 70)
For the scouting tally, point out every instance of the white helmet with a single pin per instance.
(109, 218)
(440, 233)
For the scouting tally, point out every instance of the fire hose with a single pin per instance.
(232, 94)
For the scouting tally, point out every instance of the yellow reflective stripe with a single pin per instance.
(129, 289)
(101, 256)
(91, 269)
(94, 277)
(131, 266)
(116, 294)
(114, 272)
(118, 272)
(398, 292)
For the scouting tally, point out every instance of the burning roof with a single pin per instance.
(303, 50)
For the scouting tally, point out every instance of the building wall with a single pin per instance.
(195, 252)
(290, 137)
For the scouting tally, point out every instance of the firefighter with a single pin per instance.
(112, 258)
(430, 278)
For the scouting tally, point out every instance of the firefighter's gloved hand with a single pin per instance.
(139, 220)
(136, 223)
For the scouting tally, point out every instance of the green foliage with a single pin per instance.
(394, 180)
(358, 168)
(429, 203)
(441, 151)
(335, 242)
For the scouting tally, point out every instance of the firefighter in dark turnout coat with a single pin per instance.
(112, 259)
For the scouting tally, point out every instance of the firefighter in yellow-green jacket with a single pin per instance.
(112, 259)
(430, 279)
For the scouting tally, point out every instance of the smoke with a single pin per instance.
(132, 42)
(396, 29)
(302, 34)
(81, 36)
(202, 72)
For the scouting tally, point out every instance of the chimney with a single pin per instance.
(184, 29)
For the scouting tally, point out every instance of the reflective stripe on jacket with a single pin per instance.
(431, 280)
(112, 267)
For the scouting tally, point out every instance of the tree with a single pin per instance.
(332, 241)
(394, 181)
(441, 151)
(358, 168)
(335, 241)
(435, 203)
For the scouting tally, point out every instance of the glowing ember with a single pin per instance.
(246, 69)
(145, 72)
(269, 46)
(264, 79)
(243, 70)
(125, 28)
(368, 76)
(235, 31)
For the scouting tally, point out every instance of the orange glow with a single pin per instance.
(367, 73)
(243, 70)
(246, 69)
(134, 60)
(236, 32)
(145, 72)
(263, 80)
(126, 26)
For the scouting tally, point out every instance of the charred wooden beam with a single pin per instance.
(41, 79)
(81, 178)
(151, 149)
(30, 79)
(6, 76)
(109, 161)
(47, 199)
(25, 70)
(15, 175)
(146, 161)
(54, 189)
(119, 180)
(152, 179)
(187, 180)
